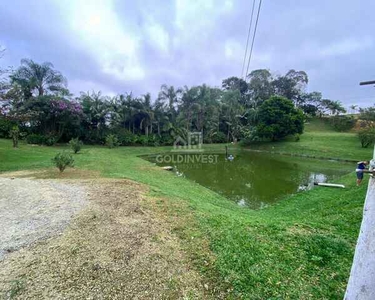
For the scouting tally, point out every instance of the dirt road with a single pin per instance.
(89, 239)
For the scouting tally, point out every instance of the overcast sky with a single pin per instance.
(119, 46)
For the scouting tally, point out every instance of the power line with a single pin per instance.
(255, 31)
(247, 41)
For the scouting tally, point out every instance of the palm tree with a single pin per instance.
(170, 95)
(96, 108)
(336, 108)
(146, 113)
(40, 77)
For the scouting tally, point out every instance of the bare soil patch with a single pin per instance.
(114, 248)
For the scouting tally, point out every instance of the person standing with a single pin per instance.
(361, 169)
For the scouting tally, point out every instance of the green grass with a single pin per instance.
(300, 248)
(320, 140)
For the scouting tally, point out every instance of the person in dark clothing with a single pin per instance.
(361, 169)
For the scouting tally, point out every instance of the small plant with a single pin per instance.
(76, 145)
(297, 137)
(63, 160)
(14, 133)
(17, 286)
(111, 141)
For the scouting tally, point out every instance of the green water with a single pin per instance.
(253, 179)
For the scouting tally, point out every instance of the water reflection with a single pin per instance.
(256, 180)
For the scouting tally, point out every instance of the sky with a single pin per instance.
(122, 46)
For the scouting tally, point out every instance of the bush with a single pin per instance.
(342, 123)
(126, 138)
(5, 127)
(40, 139)
(76, 145)
(35, 139)
(63, 160)
(297, 137)
(50, 140)
(143, 140)
(219, 137)
(14, 133)
(111, 141)
(366, 137)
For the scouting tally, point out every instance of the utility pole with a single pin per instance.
(361, 283)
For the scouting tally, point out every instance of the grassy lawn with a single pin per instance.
(300, 248)
(320, 140)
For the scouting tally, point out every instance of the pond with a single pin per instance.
(251, 179)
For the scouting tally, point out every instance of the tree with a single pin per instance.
(291, 86)
(41, 78)
(235, 83)
(279, 118)
(260, 86)
(232, 114)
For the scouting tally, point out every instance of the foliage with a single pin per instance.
(76, 145)
(41, 78)
(5, 127)
(366, 136)
(14, 134)
(342, 123)
(62, 160)
(278, 118)
(111, 141)
(36, 139)
(40, 139)
(36, 97)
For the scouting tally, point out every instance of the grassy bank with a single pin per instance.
(320, 140)
(300, 248)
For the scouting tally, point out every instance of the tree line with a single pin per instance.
(35, 98)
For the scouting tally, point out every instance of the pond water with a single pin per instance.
(253, 179)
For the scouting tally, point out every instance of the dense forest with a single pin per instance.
(35, 98)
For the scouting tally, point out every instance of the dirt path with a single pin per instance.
(31, 210)
(114, 247)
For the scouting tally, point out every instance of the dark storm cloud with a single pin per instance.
(122, 46)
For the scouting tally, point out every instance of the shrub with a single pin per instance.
(35, 139)
(219, 137)
(297, 137)
(76, 145)
(63, 160)
(50, 140)
(366, 137)
(40, 139)
(14, 133)
(5, 127)
(125, 137)
(342, 123)
(111, 141)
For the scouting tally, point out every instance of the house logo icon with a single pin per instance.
(194, 142)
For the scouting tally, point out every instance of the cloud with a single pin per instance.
(347, 46)
(95, 26)
(121, 46)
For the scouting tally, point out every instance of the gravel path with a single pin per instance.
(31, 210)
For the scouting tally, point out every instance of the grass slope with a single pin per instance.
(300, 248)
(320, 140)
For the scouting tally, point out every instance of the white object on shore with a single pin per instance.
(167, 168)
(329, 184)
